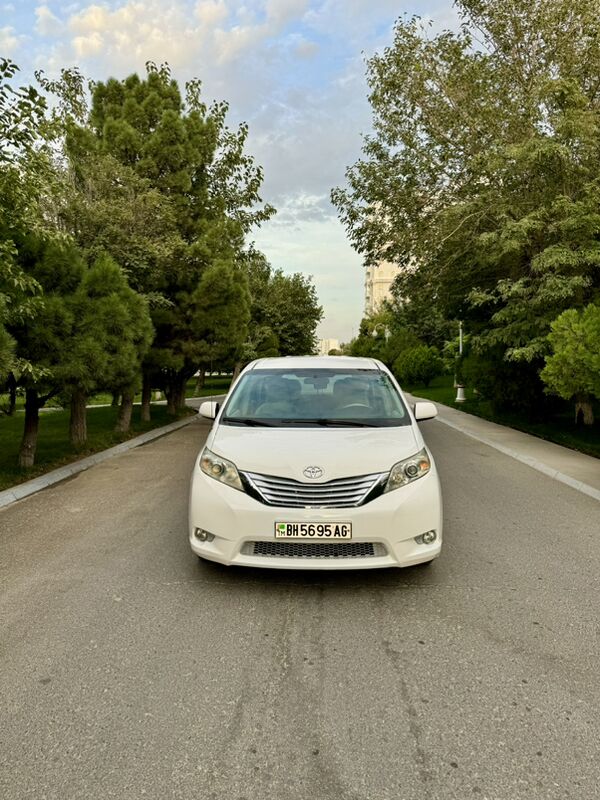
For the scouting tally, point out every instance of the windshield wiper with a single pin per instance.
(326, 422)
(247, 421)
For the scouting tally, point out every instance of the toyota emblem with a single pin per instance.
(313, 472)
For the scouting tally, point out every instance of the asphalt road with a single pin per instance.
(129, 670)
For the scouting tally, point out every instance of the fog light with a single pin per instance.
(426, 538)
(203, 536)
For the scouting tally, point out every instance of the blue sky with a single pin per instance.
(293, 69)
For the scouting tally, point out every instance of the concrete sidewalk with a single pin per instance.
(580, 471)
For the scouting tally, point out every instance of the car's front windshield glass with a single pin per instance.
(310, 397)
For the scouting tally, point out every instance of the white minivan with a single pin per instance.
(316, 463)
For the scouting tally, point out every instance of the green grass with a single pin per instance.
(560, 429)
(54, 448)
(213, 384)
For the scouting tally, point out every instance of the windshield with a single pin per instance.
(344, 398)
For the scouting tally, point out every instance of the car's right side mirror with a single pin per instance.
(425, 410)
(209, 409)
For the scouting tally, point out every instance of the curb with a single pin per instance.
(22, 490)
(585, 488)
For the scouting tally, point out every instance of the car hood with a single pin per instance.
(339, 452)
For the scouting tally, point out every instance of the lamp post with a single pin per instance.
(460, 389)
(386, 330)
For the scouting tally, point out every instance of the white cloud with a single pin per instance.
(9, 41)
(47, 23)
(211, 12)
(281, 12)
(86, 46)
(95, 19)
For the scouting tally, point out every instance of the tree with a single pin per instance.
(7, 345)
(480, 179)
(110, 334)
(57, 268)
(185, 152)
(383, 336)
(25, 168)
(573, 368)
(418, 365)
(296, 312)
(284, 311)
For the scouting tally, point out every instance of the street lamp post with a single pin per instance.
(460, 389)
(386, 330)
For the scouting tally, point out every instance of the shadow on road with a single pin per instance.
(212, 572)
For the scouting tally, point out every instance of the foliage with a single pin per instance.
(381, 336)
(508, 386)
(295, 313)
(7, 345)
(110, 333)
(573, 368)
(24, 170)
(418, 365)
(284, 311)
(41, 339)
(481, 176)
(195, 171)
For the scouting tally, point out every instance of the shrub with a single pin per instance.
(418, 365)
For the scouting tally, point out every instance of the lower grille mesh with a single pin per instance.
(315, 549)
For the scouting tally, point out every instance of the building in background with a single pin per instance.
(378, 282)
(325, 345)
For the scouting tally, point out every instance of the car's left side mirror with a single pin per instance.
(425, 410)
(209, 409)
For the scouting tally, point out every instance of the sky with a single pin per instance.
(294, 70)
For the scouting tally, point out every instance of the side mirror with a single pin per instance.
(425, 410)
(209, 409)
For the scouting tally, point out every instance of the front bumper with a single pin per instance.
(392, 520)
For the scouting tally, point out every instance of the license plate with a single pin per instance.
(313, 530)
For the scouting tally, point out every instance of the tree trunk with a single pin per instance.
(181, 387)
(171, 399)
(125, 409)
(78, 420)
(30, 430)
(12, 394)
(236, 370)
(146, 397)
(584, 412)
(115, 399)
(200, 380)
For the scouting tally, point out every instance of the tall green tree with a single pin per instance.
(41, 340)
(25, 167)
(185, 152)
(480, 179)
(294, 313)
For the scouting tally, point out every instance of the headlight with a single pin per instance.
(220, 469)
(411, 469)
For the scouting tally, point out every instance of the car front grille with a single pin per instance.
(340, 493)
(315, 549)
